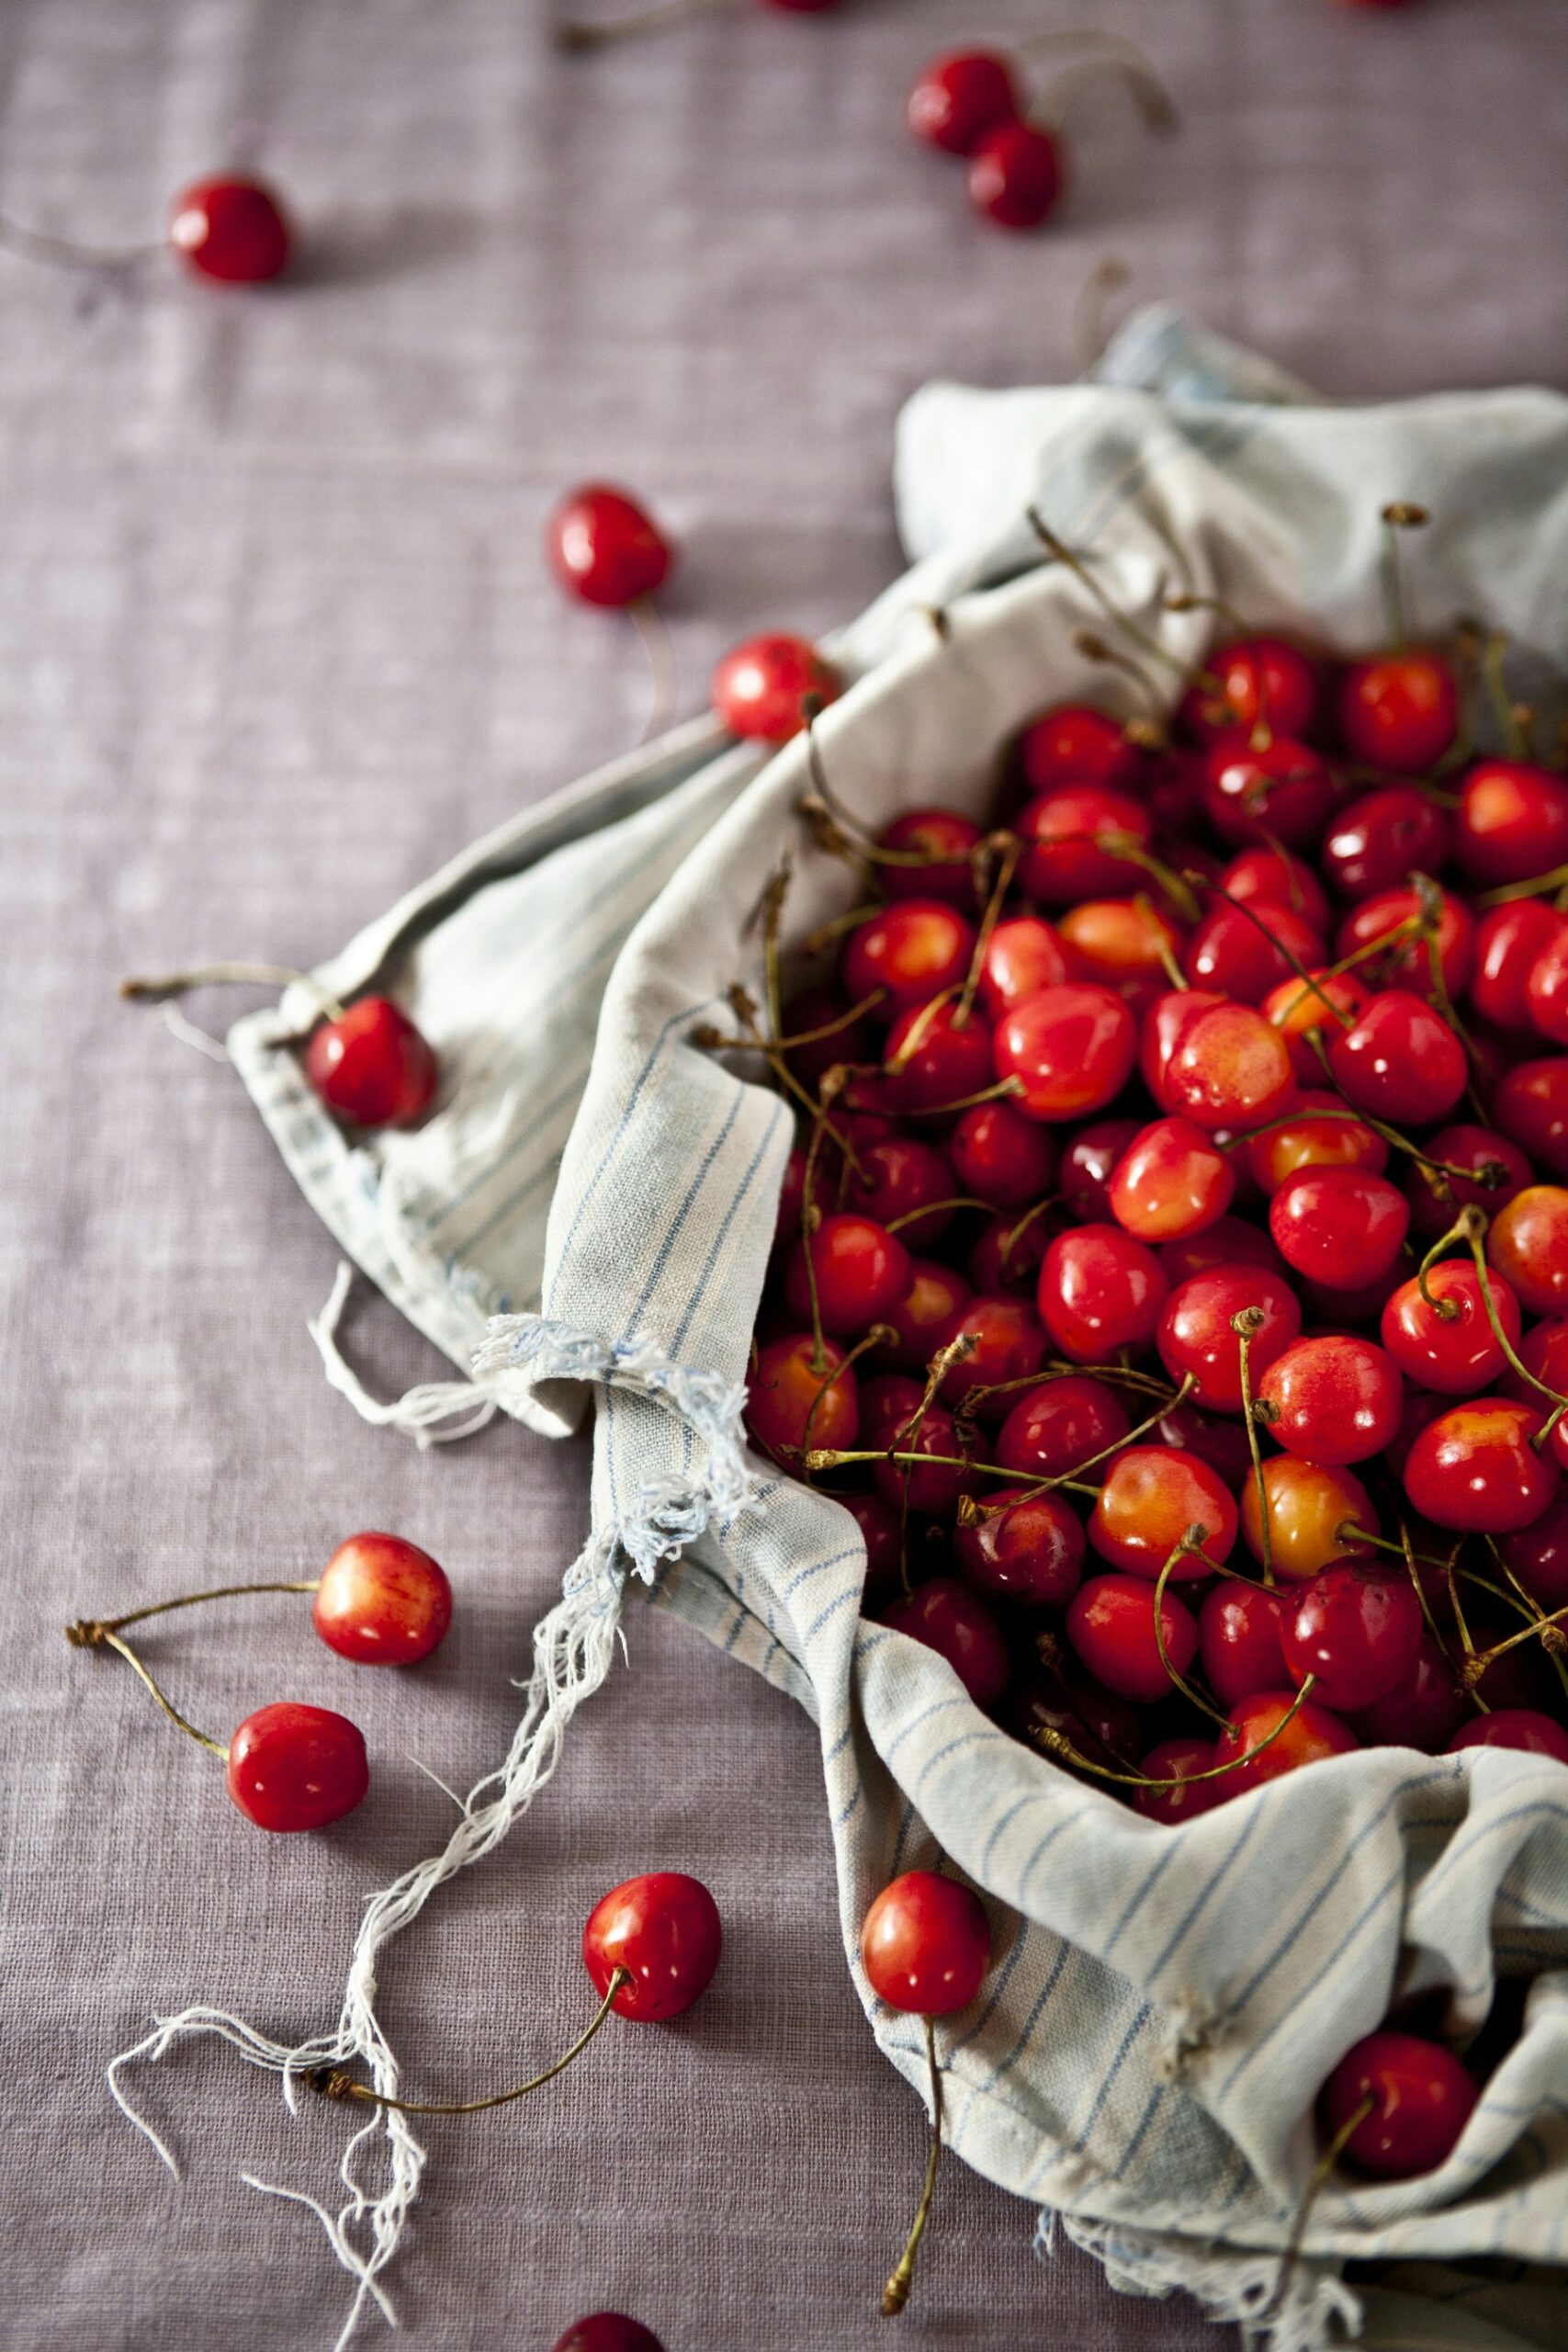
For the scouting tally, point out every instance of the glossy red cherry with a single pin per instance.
(1400, 711)
(1022, 955)
(1399, 1060)
(951, 1619)
(1279, 790)
(1070, 1048)
(961, 96)
(1100, 1292)
(382, 1601)
(1121, 944)
(293, 1767)
(608, 2332)
(1296, 1009)
(1407, 961)
(1074, 744)
(861, 1270)
(1172, 1180)
(1510, 942)
(926, 1944)
(1000, 1156)
(912, 951)
(1060, 1425)
(1073, 834)
(1027, 1549)
(1528, 1246)
(1357, 1628)
(1267, 876)
(1546, 989)
(1524, 1728)
(1227, 1067)
(1196, 1339)
(1334, 1400)
(1530, 1103)
(935, 1056)
(1263, 682)
(1511, 822)
(605, 547)
(1313, 1510)
(933, 1489)
(1006, 1344)
(1238, 1639)
(945, 841)
(1500, 1172)
(1424, 1709)
(1338, 1225)
(1318, 1131)
(1378, 841)
(1177, 1760)
(665, 1929)
(792, 1402)
(1314, 1735)
(1474, 1468)
(1422, 2099)
(897, 1178)
(1538, 1556)
(371, 1066)
(1450, 1346)
(1246, 955)
(1110, 1624)
(230, 229)
(1015, 176)
(932, 1297)
(763, 689)
(1152, 1496)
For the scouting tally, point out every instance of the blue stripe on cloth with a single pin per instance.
(673, 1230)
(699, 1292)
(688, 1012)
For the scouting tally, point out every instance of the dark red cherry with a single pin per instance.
(1400, 711)
(1217, 1441)
(1273, 878)
(1407, 961)
(1229, 1241)
(1422, 2099)
(382, 1601)
(861, 1270)
(763, 689)
(1070, 1048)
(1423, 1710)
(371, 1066)
(1546, 989)
(897, 1178)
(1027, 1549)
(1474, 1468)
(603, 548)
(1530, 1103)
(1196, 1336)
(960, 96)
(1100, 1291)
(932, 1297)
(951, 1619)
(912, 951)
(1338, 1225)
(1500, 1172)
(1000, 1156)
(1008, 1253)
(1511, 823)
(608, 2332)
(792, 1401)
(1313, 1736)
(1238, 1639)
(1538, 1556)
(1336, 1399)
(1247, 954)
(232, 229)
(1450, 1345)
(933, 1487)
(665, 1929)
(1006, 1344)
(1279, 790)
(878, 1521)
(1528, 1246)
(1077, 744)
(1357, 1628)
(1110, 1624)
(1089, 1159)
(1022, 955)
(1400, 1060)
(1378, 841)
(1015, 176)
(1524, 1728)
(1263, 682)
(1509, 943)
(1054, 1429)
(1152, 1498)
(293, 1767)
(1073, 834)
(1177, 1760)
(1173, 1179)
(926, 1944)
(936, 1055)
(945, 842)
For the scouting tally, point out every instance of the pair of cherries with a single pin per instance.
(380, 1601)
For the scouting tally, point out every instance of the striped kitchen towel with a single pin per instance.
(588, 1213)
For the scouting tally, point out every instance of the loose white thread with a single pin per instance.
(1234, 2286)
(435, 1412)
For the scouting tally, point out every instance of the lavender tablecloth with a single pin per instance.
(275, 640)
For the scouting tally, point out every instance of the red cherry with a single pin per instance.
(1400, 711)
(1528, 1246)
(861, 1270)
(1274, 878)
(1072, 834)
(933, 1489)
(894, 1179)
(926, 1945)
(1530, 1105)
(1071, 1050)
(1546, 989)
(603, 548)
(763, 688)
(1263, 682)
(1218, 1443)
(1382, 838)
(1100, 1292)
(878, 1521)
(1407, 960)
(382, 1601)
(1423, 1710)
(912, 951)
(1027, 1549)
(936, 1056)
(789, 1401)
(1295, 1010)
(1000, 1156)
(932, 1297)
(1278, 791)
(1227, 1068)
(1238, 1639)
(1422, 2097)
(1007, 1345)
(953, 1621)
(1172, 1180)
(1152, 1496)
(1399, 1060)
(230, 229)
(1229, 1241)
(1517, 1727)
(1338, 1225)
(1511, 823)
(1177, 1760)
(1022, 957)
(608, 2332)
(1077, 744)
(1500, 1172)
(1317, 1132)
(293, 1768)
(820, 1008)
(1538, 1556)
(1015, 176)
(1314, 1508)
(371, 1066)
(1196, 1336)
(1449, 1346)
(1090, 1159)
(1121, 944)
(665, 1929)
(1358, 1629)
(1332, 1400)
(1313, 1736)
(1474, 1468)
(1510, 942)
(942, 836)
(1008, 1254)
(961, 96)
(1060, 1425)
(1236, 955)
(1110, 1624)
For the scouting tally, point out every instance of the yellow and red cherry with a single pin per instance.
(1022, 955)
(948, 1618)
(1026, 1549)
(1338, 1226)
(932, 1297)
(1525, 1729)
(959, 97)
(1375, 842)
(1296, 1010)
(1074, 744)
(1122, 943)
(1153, 1496)
(1258, 682)
(664, 1929)
(1227, 1067)
(1280, 790)
(1407, 960)
(1110, 1624)
(1198, 1341)
(945, 842)
(1443, 1338)
(1527, 1244)
(1313, 1508)
(371, 1066)
(935, 1056)
(912, 951)
(1357, 1628)
(1401, 710)
(1179, 1759)
(1510, 941)
(860, 1270)
(1072, 835)
(1070, 1049)
(1245, 955)
(799, 1394)
(230, 228)
(1529, 1104)
(1475, 1468)
(1334, 1399)
(292, 1766)
(605, 548)
(1000, 1156)
(1421, 2100)
(926, 1945)
(382, 1601)
(1318, 1131)
(1511, 822)
(1063, 1422)
(1499, 1170)
(767, 688)
(1100, 1291)
(1238, 1639)
(1173, 1179)
(1314, 1735)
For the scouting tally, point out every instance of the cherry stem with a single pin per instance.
(1149, 94)
(35, 245)
(1108, 276)
(935, 1208)
(1401, 517)
(880, 1335)
(1011, 849)
(1551, 1623)
(575, 38)
(1189, 1546)
(1151, 645)
(895, 2294)
(1507, 717)
(1056, 1743)
(957, 1350)
(1149, 733)
(1539, 886)
(163, 986)
(1470, 1227)
(1168, 963)
(1247, 1325)
(649, 622)
(333, 2082)
(1244, 905)
(88, 1634)
(1320, 2173)
(1070, 1477)
(1005, 1090)
(1015, 1233)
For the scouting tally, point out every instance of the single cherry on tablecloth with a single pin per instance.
(605, 549)
(230, 226)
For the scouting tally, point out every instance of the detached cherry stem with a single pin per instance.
(895, 2294)
(1320, 2173)
(36, 244)
(649, 622)
(1127, 67)
(162, 988)
(336, 2083)
(575, 37)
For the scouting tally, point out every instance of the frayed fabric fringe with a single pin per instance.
(1310, 2310)
(573, 1650)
